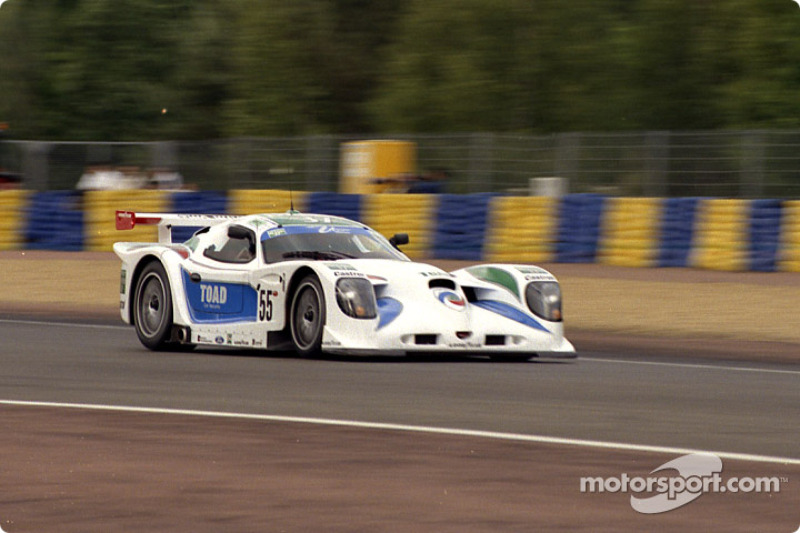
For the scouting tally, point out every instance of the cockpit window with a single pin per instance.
(326, 243)
(239, 247)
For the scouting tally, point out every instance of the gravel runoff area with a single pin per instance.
(676, 312)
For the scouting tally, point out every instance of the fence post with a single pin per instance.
(751, 183)
(320, 160)
(656, 181)
(480, 162)
(567, 164)
(35, 166)
(164, 154)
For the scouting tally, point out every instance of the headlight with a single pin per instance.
(544, 299)
(356, 298)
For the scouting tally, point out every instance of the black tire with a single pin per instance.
(307, 316)
(511, 358)
(152, 311)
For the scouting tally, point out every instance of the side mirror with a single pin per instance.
(239, 232)
(399, 239)
(243, 234)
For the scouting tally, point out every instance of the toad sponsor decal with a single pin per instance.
(213, 296)
(220, 301)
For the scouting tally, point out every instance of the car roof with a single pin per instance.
(267, 221)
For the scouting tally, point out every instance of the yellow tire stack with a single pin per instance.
(721, 235)
(630, 232)
(789, 258)
(100, 209)
(414, 214)
(256, 201)
(12, 218)
(522, 229)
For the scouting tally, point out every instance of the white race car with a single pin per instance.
(318, 283)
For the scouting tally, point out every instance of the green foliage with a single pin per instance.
(155, 69)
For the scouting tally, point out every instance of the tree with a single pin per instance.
(306, 66)
(473, 65)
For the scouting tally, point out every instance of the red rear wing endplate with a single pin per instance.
(128, 220)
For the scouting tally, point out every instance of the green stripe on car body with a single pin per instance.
(497, 276)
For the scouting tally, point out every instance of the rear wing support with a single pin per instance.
(126, 220)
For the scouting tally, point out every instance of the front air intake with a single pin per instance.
(495, 340)
(442, 282)
(424, 338)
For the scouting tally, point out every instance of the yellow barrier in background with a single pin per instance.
(99, 211)
(366, 164)
(789, 254)
(522, 229)
(721, 235)
(629, 232)
(255, 201)
(403, 213)
(12, 218)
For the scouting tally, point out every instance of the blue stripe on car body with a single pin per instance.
(388, 310)
(510, 312)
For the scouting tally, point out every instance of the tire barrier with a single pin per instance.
(206, 202)
(677, 227)
(54, 221)
(522, 229)
(629, 232)
(99, 214)
(331, 203)
(720, 240)
(789, 255)
(12, 216)
(579, 228)
(461, 222)
(246, 202)
(765, 235)
(403, 213)
(708, 233)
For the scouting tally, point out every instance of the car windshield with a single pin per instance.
(325, 243)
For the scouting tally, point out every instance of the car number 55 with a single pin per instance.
(265, 305)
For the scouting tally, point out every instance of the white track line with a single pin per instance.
(691, 365)
(61, 324)
(619, 446)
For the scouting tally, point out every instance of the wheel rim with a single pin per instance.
(306, 318)
(151, 309)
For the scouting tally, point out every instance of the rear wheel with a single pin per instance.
(152, 313)
(307, 316)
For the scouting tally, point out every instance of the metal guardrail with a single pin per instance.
(745, 164)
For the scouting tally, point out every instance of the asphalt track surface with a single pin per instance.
(714, 406)
(454, 444)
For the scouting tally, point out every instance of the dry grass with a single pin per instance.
(622, 302)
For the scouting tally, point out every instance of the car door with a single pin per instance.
(216, 283)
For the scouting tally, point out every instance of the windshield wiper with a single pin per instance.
(316, 255)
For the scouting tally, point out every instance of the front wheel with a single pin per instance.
(307, 316)
(152, 315)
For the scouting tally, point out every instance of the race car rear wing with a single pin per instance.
(126, 220)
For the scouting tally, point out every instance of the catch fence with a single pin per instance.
(732, 164)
